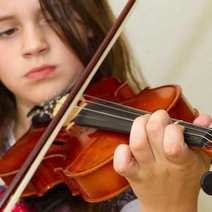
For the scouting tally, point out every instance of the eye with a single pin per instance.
(8, 32)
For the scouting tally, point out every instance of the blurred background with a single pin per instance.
(172, 41)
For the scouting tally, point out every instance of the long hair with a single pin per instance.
(96, 18)
(7, 114)
(68, 18)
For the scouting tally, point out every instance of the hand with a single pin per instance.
(163, 172)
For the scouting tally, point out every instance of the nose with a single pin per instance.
(34, 42)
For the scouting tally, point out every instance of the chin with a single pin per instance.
(44, 100)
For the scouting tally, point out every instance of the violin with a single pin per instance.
(47, 156)
(82, 157)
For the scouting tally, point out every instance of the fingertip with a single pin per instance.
(174, 143)
(138, 137)
(138, 143)
(203, 120)
(157, 121)
(123, 160)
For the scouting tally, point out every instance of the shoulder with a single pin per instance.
(132, 206)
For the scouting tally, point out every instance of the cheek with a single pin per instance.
(8, 72)
(72, 65)
(72, 70)
(9, 83)
(8, 52)
(8, 63)
(64, 54)
(5, 75)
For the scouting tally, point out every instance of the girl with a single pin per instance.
(46, 45)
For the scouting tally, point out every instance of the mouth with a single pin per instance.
(41, 72)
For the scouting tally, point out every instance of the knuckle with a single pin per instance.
(120, 169)
(138, 136)
(153, 127)
(173, 136)
(158, 120)
(138, 144)
(170, 127)
(174, 128)
(139, 121)
(172, 152)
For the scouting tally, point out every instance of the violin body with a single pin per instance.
(82, 158)
(94, 165)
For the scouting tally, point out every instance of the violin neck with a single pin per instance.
(119, 118)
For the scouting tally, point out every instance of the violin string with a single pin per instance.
(134, 111)
(183, 123)
(188, 133)
(131, 120)
(141, 112)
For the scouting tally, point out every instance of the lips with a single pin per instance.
(41, 72)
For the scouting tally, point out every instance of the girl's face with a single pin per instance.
(35, 65)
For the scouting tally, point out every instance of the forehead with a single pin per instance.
(18, 6)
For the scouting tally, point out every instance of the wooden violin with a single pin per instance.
(77, 159)
(82, 157)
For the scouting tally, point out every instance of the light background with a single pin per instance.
(172, 40)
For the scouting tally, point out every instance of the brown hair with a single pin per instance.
(65, 16)
(96, 17)
(7, 115)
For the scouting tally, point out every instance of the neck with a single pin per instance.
(119, 118)
(23, 123)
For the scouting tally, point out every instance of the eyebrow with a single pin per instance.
(6, 17)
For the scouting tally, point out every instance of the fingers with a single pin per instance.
(203, 120)
(145, 145)
(153, 139)
(139, 143)
(175, 149)
(124, 162)
(157, 159)
(128, 158)
(155, 130)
